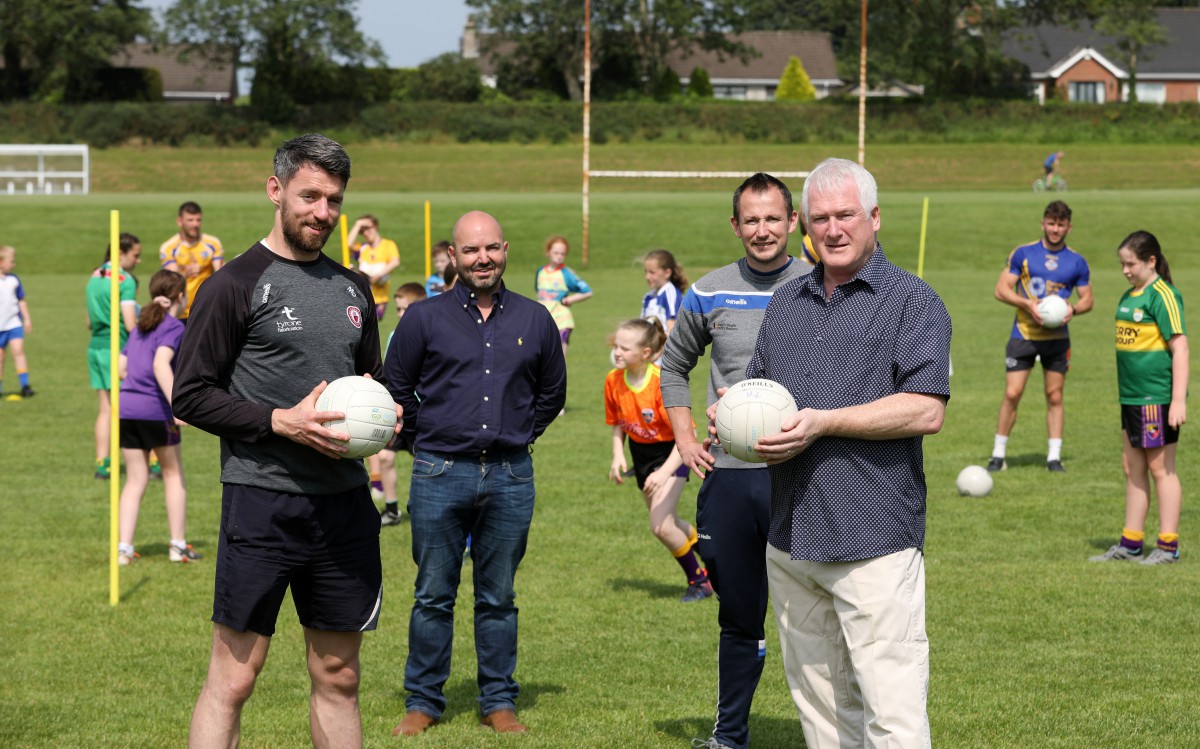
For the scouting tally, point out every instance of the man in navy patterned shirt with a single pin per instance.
(864, 348)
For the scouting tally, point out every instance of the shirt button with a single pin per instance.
(487, 371)
(485, 397)
(485, 426)
(479, 321)
(488, 345)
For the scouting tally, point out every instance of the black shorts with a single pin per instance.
(1147, 426)
(147, 434)
(326, 547)
(1055, 354)
(649, 457)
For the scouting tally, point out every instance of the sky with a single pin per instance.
(410, 31)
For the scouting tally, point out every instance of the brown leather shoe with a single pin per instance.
(414, 724)
(503, 721)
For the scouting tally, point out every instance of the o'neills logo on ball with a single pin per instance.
(355, 316)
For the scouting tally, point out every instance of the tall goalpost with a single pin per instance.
(589, 173)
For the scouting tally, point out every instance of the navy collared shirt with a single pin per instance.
(472, 386)
(881, 333)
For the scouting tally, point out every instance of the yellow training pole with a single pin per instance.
(921, 252)
(428, 242)
(114, 382)
(345, 229)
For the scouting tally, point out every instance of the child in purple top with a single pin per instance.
(147, 423)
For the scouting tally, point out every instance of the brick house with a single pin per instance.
(1083, 66)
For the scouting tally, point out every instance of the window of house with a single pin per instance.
(1152, 93)
(1088, 92)
(729, 92)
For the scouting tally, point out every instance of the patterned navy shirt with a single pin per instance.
(472, 386)
(884, 332)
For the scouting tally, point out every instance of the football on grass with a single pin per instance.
(974, 481)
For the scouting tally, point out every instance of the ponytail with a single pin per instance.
(165, 288)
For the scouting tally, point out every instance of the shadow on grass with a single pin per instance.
(651, 589)
(765, 733)
(1026, 460)
(462, 699)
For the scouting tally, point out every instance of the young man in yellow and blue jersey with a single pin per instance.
(191, 253)
(1035, 271)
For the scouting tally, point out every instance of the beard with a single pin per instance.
(467, 276)
(300, 240)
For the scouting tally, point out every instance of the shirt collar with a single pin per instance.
(873, 273)
(466, 297)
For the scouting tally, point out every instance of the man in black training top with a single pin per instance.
(263, 339)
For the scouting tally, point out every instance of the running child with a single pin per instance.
(1152, 377)
(667, 284)
(147, 422)
(633, 405)
(558, 287)
(98, 300)
(15, 322)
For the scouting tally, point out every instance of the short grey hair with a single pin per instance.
(830, 175)
(311, 149)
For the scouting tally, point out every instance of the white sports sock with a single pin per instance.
(1055, 450)
(179, 543)
(999, 447)
(126, 549)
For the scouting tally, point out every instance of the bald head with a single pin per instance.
(472, 223)
(479, 252)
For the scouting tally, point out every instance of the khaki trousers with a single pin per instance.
(854, 648)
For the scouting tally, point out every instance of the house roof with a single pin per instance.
(775, 47)
(1046, 48)
(198, 78)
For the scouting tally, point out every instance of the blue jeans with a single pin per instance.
(491, 498)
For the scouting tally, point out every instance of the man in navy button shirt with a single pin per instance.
(481, 369)
(864, 348)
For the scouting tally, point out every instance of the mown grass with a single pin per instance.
(1031, 644)
(508, 168)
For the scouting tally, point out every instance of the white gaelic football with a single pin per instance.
(974, 481)
(370, 413)
(1053, 310)
(748, 411)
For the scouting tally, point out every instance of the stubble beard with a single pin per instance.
(301, 242)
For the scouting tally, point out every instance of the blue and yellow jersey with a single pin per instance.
(555, 283)
(202, 254)
(1041, 273)
(1146, 321)
(807, 253)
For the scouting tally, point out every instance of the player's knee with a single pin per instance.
(232, 689)
(336, 677)
(1054, 398)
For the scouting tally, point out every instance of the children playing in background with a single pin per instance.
(98, 298)
(1152, 378)
(375, 257)
(408, 294)
(15, 322)
(147, 422)
(558, 287)
(439, 256)
(667, 284)
(633, 406)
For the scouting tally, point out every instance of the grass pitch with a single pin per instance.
(1031, 644)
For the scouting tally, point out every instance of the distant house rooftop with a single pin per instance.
(754, 79)
(1082, 63)
(199, 78)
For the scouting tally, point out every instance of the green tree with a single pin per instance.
(1135, 26)
(447, 77)
(288, 43)
(794, 84)
(635, 38)
(699, 84)
(50, 49)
